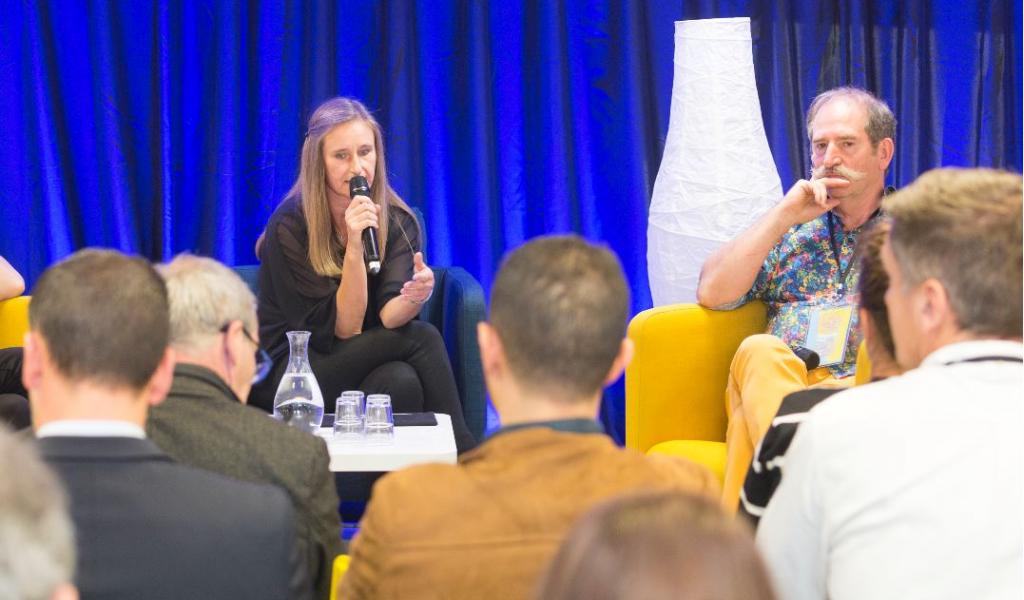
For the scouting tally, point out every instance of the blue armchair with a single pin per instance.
(455, 308)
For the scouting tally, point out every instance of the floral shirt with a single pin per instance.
(800, 275)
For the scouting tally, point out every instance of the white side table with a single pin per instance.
(412, 446)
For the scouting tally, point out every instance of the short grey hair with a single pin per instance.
(204, 295)
(881, 121)
(37, 540)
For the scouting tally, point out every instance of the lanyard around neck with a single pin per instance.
(994, 358)
(834, 245)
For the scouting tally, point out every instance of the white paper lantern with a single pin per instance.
(717, 175)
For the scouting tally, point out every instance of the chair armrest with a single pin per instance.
(455, 308)
(709, 454)
(13, 321)
(338, 570)
(675, 386)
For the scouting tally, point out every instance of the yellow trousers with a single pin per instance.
(763, 372)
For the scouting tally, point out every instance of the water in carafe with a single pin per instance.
(298, 401)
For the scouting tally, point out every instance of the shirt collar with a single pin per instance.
(90, 428)
(564, 425)
(961, 351)
(204, 375)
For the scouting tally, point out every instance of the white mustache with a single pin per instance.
(845, 172)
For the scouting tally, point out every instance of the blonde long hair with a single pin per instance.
(311, 185)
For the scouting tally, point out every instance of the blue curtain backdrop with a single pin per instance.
(158, 127)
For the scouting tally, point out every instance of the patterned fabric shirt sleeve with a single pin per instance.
(760, 282)
(801, 276)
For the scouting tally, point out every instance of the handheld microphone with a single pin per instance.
(357, 186)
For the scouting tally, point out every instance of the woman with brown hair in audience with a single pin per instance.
(657, 546)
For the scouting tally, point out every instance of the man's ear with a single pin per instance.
(231, 346)
(65, 591)
(867, 326)
(886, 150)
(933, 307)
(160, 382)
(33, 360)
(622, 360)
(492, 353)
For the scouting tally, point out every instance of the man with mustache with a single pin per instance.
(798, 259)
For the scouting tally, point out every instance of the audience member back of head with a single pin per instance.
(96, 358)
(488, 526)
(657, 546)
(37, 541)
(204, 421)
(912, 486)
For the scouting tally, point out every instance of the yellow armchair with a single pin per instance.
(13, 321)
(338, 573)
(675, 386)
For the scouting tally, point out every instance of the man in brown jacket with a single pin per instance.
(487, 527)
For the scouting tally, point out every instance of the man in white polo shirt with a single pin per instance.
(912, 487)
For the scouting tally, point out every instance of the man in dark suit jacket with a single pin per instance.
(205, 423)
(96, 358)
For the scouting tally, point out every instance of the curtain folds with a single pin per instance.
(160, 127)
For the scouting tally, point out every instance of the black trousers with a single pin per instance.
(408, 363)
(14, 410)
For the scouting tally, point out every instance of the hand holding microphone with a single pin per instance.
(358, 186)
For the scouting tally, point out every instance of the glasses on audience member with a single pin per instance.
(263, 360)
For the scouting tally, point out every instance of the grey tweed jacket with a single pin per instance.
(202, 423)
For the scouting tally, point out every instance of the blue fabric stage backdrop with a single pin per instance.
(159, 127)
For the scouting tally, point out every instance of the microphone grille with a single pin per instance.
(358, 186)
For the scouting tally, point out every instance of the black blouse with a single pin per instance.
(294, 297)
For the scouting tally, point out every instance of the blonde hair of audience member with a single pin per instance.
(324, 245)
(97, 346)
(954, 260)
(37, 542)
(657, 546)
(871, 286)
(206, 296)
(11, 282)
(556, 333)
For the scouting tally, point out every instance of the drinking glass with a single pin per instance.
(348, 415)
(380, 423)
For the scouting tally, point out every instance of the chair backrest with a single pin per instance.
(675, 386)
(863, 374)
(250, 274)
(13, 321)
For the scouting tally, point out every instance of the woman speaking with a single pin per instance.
(313, 276)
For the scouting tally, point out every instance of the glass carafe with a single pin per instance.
(298, 401)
